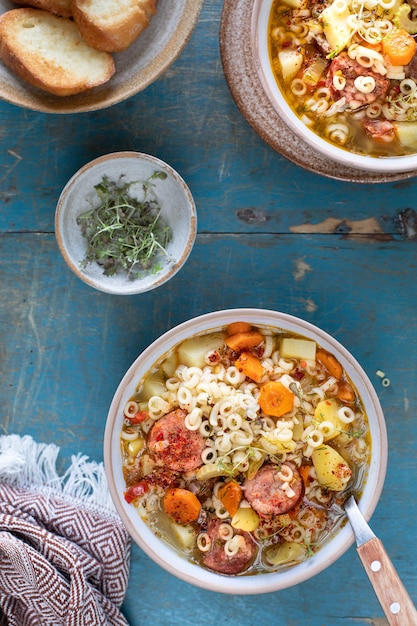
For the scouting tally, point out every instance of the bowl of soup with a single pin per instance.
(342, 75)
(232, 443)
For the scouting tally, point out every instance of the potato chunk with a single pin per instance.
(332, 471)
(326, 411)
(290, 62)
(154, 385)
(245, 519)
(298, 349)
(406, 134)
(192, 352)
(335, 26)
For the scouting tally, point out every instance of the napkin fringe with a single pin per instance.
(25, 463)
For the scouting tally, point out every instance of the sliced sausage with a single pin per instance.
(218, 560)
(267, 492)
(351, 69)
(172, 445)
(380, 130)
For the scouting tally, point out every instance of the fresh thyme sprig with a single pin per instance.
(122, 232)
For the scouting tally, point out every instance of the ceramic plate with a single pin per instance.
(247, 91)
(137, 67)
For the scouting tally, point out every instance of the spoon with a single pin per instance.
(391, 593)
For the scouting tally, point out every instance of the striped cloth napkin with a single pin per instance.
(64, 553)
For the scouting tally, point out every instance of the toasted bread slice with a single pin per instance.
(50, 53)
(58, 7)
(112, 25)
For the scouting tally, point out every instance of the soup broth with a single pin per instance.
(240, 446)
(348, 70)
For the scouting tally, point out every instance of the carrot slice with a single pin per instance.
(275, 399)
(345, 393)
(330, 362)
(250, 365)
(238, 327)
(181, 505)
(230, 495)
(400, 46)
(305, 471)
(244, 341)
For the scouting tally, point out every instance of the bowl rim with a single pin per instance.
(81, 103)
(107, 286)
(164, 555)
(259, 44)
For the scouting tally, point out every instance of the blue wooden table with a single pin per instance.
(270, 235)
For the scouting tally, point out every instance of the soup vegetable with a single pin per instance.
(240, 446)
(348, 69)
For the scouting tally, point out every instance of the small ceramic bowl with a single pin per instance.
(177, 211)
(141, 64)
(162, 553)
(259, 43)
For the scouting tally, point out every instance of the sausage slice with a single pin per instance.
(216, 558)
(172, 445)
(267, 494)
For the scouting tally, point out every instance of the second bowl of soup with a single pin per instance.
(232, 443)
(342, 75)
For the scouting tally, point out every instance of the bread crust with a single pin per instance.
(114, 32)
(60, 73)
(57, 7)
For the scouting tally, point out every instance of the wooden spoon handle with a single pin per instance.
(395, 601)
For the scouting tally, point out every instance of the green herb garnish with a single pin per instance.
(124, 233)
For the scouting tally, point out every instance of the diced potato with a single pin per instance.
(133, 447)
(192, 352)
(290, 62)
(298, 349)
(245, 519)
(154, 385)
(185, 535)
(326, 411)
(335, 26)
(286, 552)
(170, 365)
(406, 133)
(332, 471)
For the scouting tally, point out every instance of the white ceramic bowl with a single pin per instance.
(161, 552)
(259, 42)
(136, 68)
(177, 211)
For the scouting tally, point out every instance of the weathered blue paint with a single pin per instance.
(269, 235)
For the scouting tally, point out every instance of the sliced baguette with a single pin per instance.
(50, 53)
(58, 7)
(112, 25)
